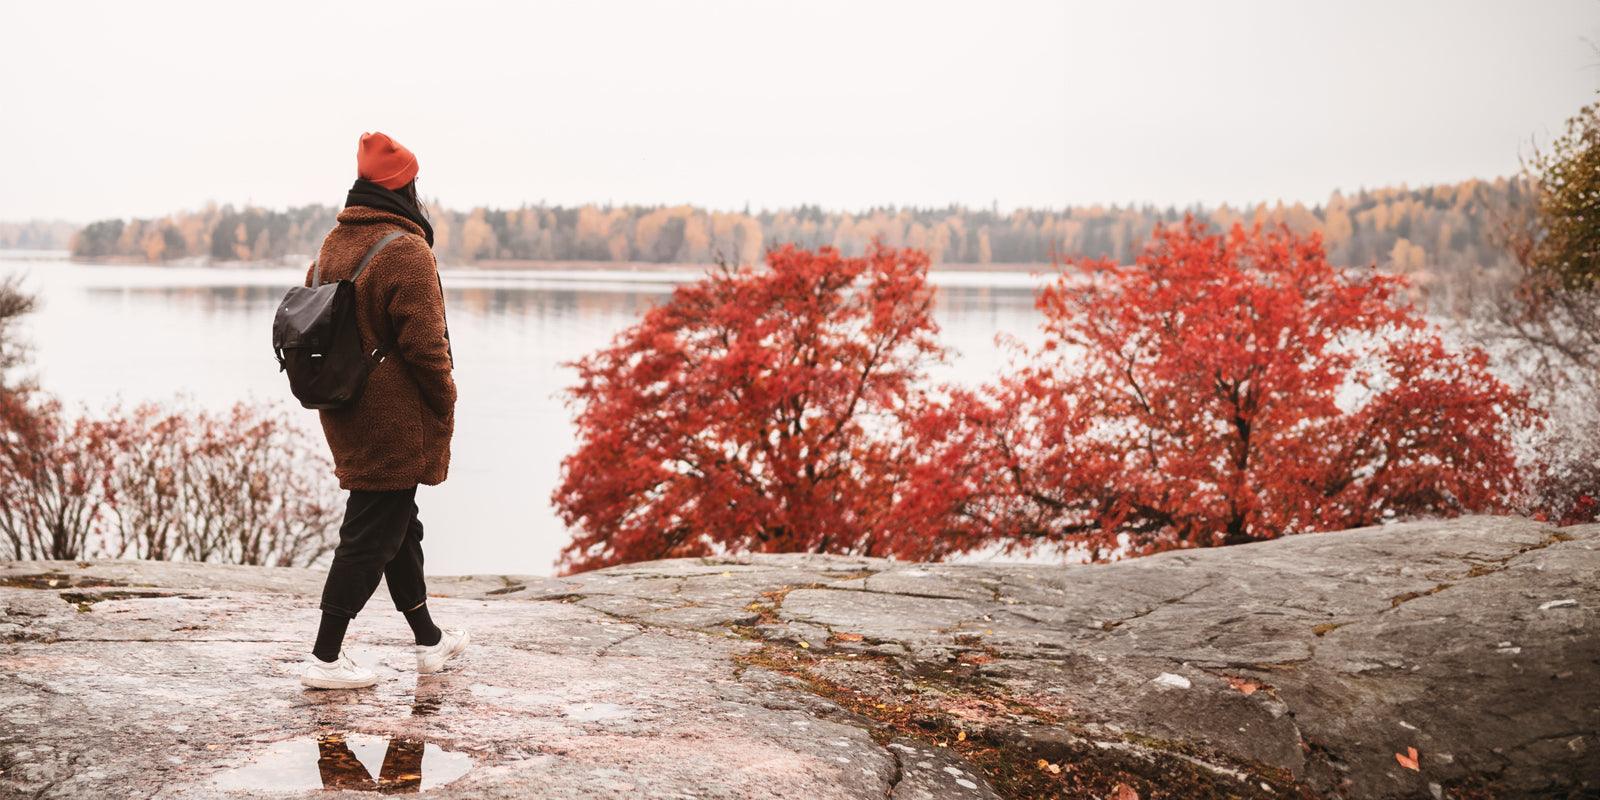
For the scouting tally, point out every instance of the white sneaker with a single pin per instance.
(343, 673)
(450, 645)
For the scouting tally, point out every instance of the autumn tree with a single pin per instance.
(1543, 321)
(55, 476)
(760, 409)
(1222, 389)
(1568, 175)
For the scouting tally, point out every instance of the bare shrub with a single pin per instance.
(244, 486)
(55, 476)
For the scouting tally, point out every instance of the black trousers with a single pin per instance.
(381, 538)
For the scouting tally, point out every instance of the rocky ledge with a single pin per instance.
(1442, 659)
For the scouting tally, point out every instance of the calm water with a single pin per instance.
(105, 333)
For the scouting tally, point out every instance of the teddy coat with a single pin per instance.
(397, 433)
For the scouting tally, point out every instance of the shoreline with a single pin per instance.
(485, 265)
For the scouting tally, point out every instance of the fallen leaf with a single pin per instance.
(1244, 685)
(1124, 792)
(804, 645)
(961, 736)
(1408, 759)
(848, 637)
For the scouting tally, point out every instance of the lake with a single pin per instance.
(135, 333)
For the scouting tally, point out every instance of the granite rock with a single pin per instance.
(1309, 666)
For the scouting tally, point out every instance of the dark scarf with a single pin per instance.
(371, 195)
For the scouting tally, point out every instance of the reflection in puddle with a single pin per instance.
(349, 761)
(357, 761)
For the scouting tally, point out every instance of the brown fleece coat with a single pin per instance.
(397, 434)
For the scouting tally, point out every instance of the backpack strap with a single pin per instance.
(373, 251)
(316, 266)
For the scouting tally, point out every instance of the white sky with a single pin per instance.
(140, 108)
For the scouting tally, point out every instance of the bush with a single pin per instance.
(1222, 389)
(243, 486)
(758, 409)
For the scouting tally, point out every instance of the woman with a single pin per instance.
(397, 433)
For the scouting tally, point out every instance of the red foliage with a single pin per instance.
(758, 409)
(1584, 510)
(243, 487)
(1222, 389)
(55, 476)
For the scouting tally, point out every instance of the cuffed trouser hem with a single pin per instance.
(337, 611)
(380, 540)
(403, 604)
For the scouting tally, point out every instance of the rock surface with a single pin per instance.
(1441, 659)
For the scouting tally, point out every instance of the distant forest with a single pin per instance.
(1431, 232)
(36, 235)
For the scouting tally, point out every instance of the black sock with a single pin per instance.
(422, 626)
(330, 636)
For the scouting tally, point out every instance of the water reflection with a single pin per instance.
(349, 761)
(401, 764)
(533, 299)
(480, 301)
(340, 769)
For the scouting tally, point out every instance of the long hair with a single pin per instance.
(409, 192)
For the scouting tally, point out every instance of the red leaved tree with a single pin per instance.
(757, 410)
(1222, 389)
(56, 478)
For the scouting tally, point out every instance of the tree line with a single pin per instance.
(36, 235)
(1427, 232)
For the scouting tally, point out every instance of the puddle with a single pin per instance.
(351, 762)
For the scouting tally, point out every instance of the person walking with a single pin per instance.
(396, 435)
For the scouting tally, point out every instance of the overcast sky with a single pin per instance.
(122, 108)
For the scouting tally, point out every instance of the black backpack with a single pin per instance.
(317, 342)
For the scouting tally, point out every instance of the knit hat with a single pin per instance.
(385, 161)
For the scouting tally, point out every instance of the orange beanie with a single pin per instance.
(385, 161)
